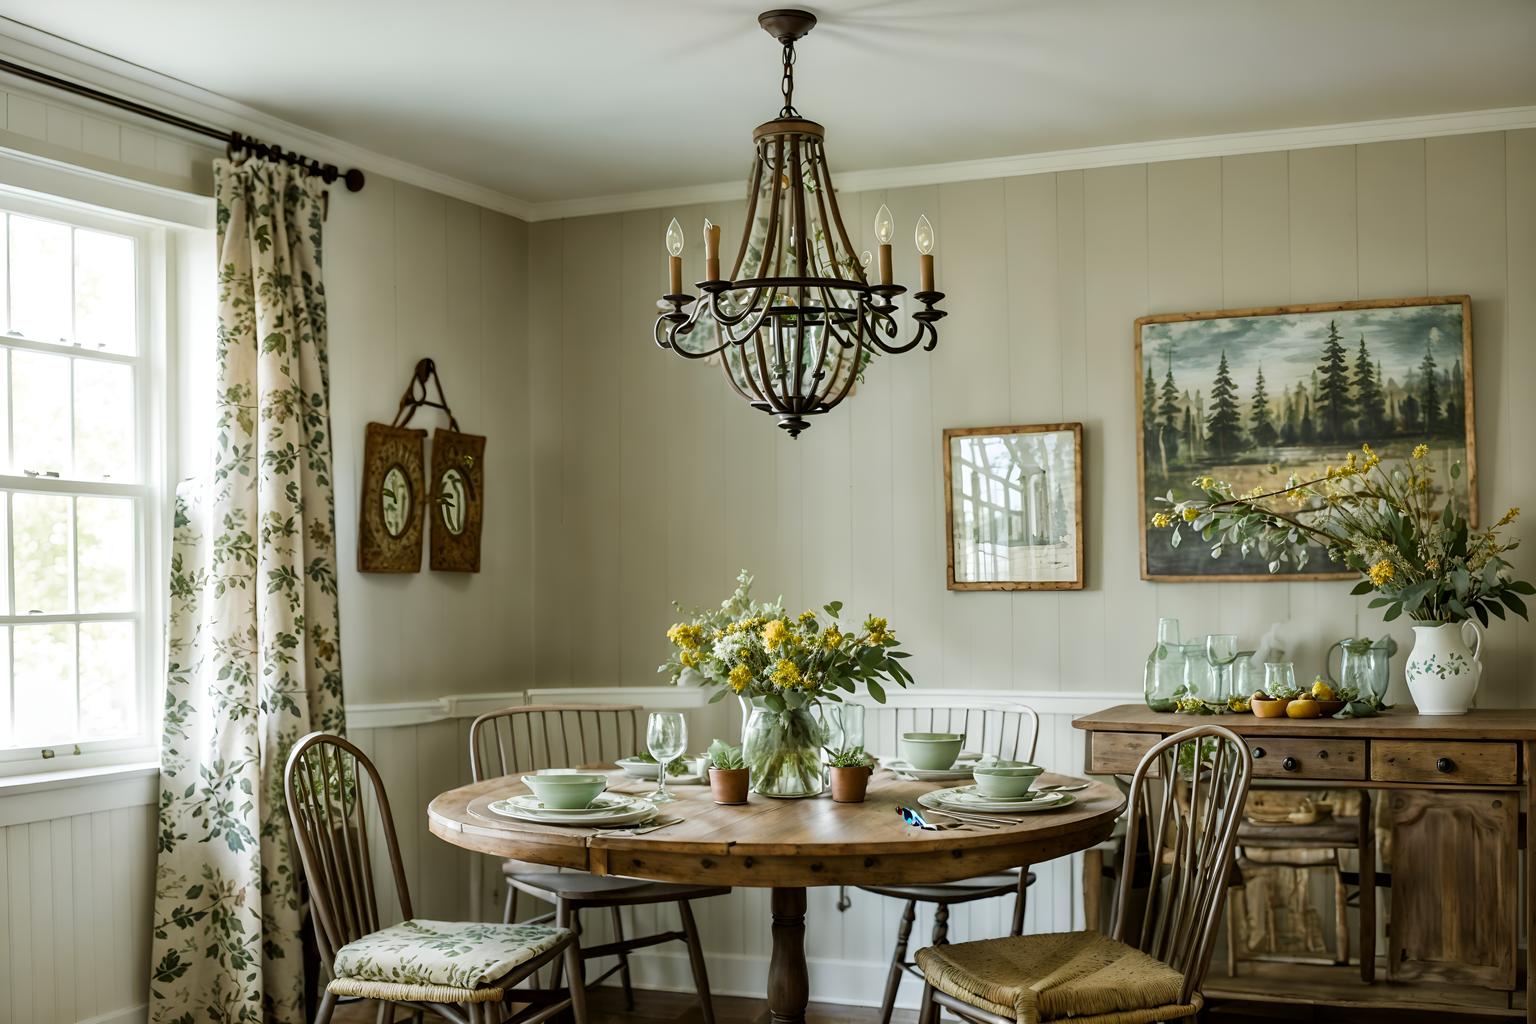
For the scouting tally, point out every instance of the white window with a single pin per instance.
(82, 491)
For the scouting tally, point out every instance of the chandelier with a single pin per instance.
(797, 322)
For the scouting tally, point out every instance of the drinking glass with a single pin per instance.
(1221, 652)
(666, 737)
(1279, 676)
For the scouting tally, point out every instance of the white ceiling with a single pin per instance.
(565, 99)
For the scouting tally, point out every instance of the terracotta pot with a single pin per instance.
(849, 784)
(729, 786)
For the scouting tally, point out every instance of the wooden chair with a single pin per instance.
(517, 740)
(466, 972)
(1008, 730)
(1185, 805)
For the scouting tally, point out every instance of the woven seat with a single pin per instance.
(1082, 975)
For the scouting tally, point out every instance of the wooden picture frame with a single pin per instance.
(391, 500)
(1033, 539)
(458, 500)
(1390, 341)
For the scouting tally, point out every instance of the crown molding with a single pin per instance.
(27, 45)
(60, 56)
(1159, 151)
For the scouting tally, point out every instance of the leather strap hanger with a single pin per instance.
(410, 401)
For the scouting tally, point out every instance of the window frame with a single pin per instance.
(154, 490)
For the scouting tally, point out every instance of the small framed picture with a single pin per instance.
(1014, 507)
(392, 500)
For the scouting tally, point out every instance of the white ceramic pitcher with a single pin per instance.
(1445, 667)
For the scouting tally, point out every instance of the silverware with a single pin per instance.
(1063, 787)
(640, 830)
(969, 819)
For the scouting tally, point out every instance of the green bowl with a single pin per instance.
(931, 751)
(1005, 779)
(566, 792)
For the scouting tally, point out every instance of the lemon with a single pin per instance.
(1303, 707)
(1322, 691)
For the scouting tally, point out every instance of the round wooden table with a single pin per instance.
(785, 845)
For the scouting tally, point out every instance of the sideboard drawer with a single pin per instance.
(1306, 757)
(1438, 761)
(1118, 753)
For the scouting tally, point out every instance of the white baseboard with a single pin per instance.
(848, 982)
(127, 1015)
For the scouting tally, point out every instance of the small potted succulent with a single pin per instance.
(850, 770)
(728, 774)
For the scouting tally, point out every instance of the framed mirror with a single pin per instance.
(1014, 507)
(392, 501)
(458, 500)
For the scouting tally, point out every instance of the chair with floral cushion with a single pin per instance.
(1185, 805)
(515, 740)
(464, 971)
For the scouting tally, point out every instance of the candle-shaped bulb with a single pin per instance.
(707, 225)
(675, 238)
(885, 227)
(923, 236)
(865, 259)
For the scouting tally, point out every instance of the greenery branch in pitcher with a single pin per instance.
(784, 666)
(1419, 559)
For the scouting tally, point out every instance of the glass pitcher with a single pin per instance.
(1162, 681)
(1364, 665)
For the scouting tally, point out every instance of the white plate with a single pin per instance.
(637, 769)
(946, 799)
(961, 769)
(605, 802)
(637, 811)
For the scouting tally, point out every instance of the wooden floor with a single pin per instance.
(607, 1007)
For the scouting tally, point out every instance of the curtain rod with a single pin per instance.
(235, 143)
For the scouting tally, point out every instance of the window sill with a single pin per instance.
(49, 796)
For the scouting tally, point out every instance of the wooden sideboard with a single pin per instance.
(1456, 787)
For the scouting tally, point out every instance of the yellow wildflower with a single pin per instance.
(685, 636)
(879, 633)
(740, 678)
(1205, 483)
(832, 638)
(1420, 450)
(1433, 565)
(1508, 517)
(1162, 520)
(807, 620)
(689, 659)
(775, 634)
(1382, 573)
(786, 674)
(1191, 514)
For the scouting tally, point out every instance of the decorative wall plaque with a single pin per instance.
(458, 500)
(392, 500)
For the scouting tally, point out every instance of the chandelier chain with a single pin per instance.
(787, 86)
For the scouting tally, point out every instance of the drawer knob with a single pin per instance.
(1445, 765)
(1290, 764)
(1258, 752)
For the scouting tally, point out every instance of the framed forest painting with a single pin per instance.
(1252, 396)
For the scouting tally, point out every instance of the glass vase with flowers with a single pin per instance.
(784, 666)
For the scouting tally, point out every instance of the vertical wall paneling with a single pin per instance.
(1514, 485)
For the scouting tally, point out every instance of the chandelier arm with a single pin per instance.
(753, 186)
(853, 373)
(726, 319)
(683, 325)
(925, 329)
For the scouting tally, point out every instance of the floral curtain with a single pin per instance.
(254, 658)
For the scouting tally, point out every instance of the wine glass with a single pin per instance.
(1279, 677)
(666, 737)
(1221, 652)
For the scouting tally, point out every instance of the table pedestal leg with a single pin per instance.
(789, 987)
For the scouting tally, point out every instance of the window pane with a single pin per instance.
(104, 421)
(45, 684)
(41, 560)
(105, 552)
(40, 280)
(108, 666)
(104, 288)
(6, 732)
(40, 412)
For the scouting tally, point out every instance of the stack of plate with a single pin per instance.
(966, 798)
(635, 768)
(961, 769)
(608, 810)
